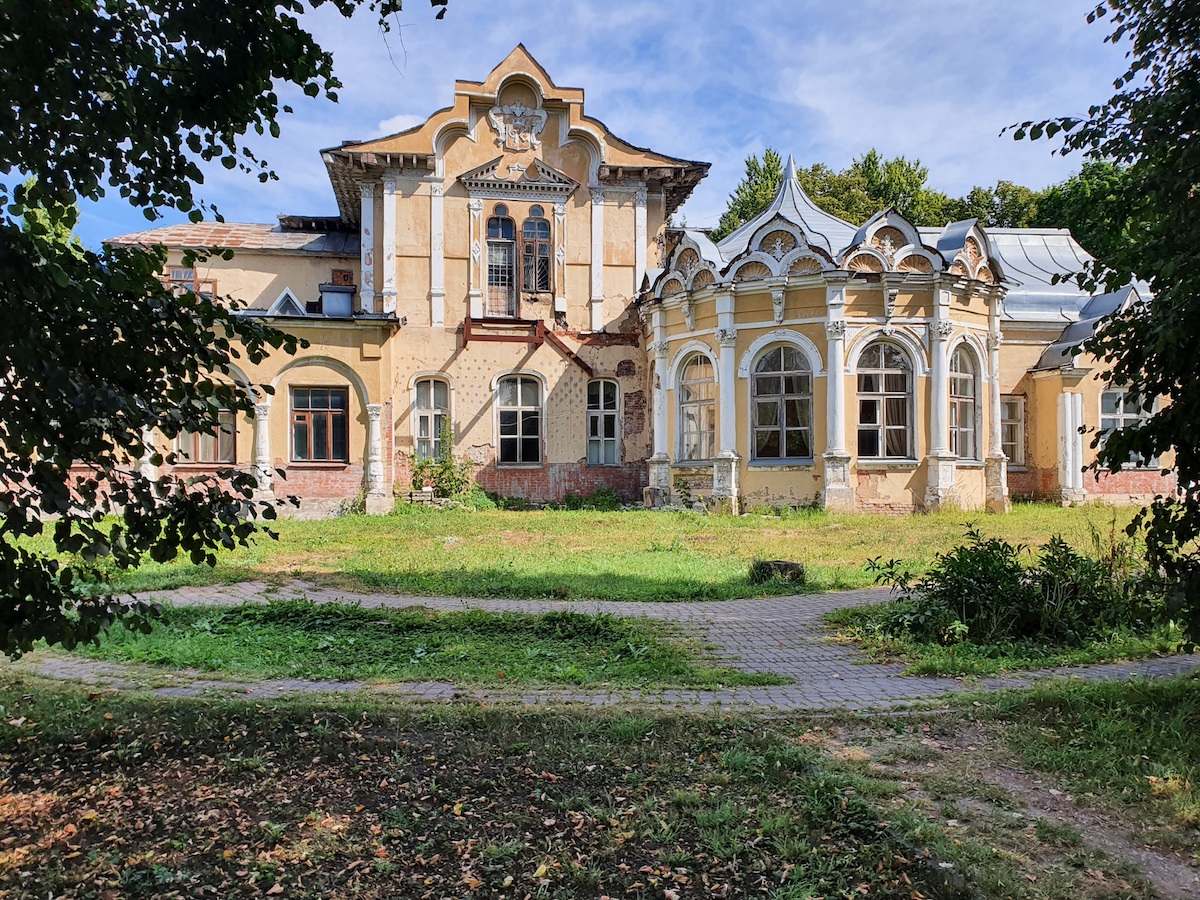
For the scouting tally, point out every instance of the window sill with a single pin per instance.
(970, 464)
(318, 464)
(693, 464)
(1016, 468)
(885, 464)
(539, 465)
(783, 464)
(615, 465)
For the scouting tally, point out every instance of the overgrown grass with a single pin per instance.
(300, 639)
(863, 625)
(1128, 742)
(596, 555)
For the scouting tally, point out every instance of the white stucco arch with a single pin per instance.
(900, 336)
(978, 350)
(803, 252)
(335, 365)
(782, 336)
(529, 373)
(850, 255)
(754, 256)
(777, 223)
(690, 347)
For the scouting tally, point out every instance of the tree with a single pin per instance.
(1149, 129)
(753, 194)
(1090, 204)
(131, 96)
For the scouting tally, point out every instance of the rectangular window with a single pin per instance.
(1012, 429)
(502, 295)
(216, 446)
(431, 412)
(520, 420)
(602, 445)
(1118, 410)
(320, 425)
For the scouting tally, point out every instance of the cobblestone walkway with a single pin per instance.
(784, 635)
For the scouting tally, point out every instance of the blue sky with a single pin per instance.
(708, 80)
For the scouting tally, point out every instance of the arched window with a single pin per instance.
(501, 263)
(964, 404)
(535, 251)
(884, 403)
(431, 410)
(520, 400)
(603, 444)
(696, 392)
(781, 389)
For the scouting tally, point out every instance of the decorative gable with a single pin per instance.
(501, 180)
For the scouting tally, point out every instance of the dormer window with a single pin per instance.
(501, 263)
(535, 251)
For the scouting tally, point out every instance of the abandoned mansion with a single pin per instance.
(508, 268)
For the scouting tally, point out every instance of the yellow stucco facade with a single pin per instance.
(507, 266)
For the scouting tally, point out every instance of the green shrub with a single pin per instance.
(604, 499)
(448, 476)
(988, 591)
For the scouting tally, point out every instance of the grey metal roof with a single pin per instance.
(242, 236)
(1062, 352)
(708, 250)
(822, 229)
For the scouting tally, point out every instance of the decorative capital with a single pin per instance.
(389, 183)
(597, 197)
(836, 329)
(639, 197)
(726, 337)
(366, 190)
(659, 349)
(436, 188)
(262, 409)
(560, 211)
(777, 303)
(993, 341)
(374, 411)
(889, 303)
(476, 205)
(943, 328)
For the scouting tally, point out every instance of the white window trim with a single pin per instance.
(417, 413)
(544, 395)
(911, 394)
(679, 434)
(965, 347)
(600, 413)
(1018, 462)
(1141, 416)
(752, 409)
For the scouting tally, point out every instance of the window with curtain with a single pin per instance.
(603, 448)
(781, 392)
(431, 409)
(216, 446)
(964, 404)
(696, 391)
(885, 382)
(519, 398)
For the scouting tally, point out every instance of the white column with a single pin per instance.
(597, 260)
(727, 385)
(475, 279)
(996, 466)
(1070, 453)
(366, 236)
(437, 255)
(639, 238)
(389, 244)
(941, 464)
(146, 468)
(839, 492)
(263, 470)
(379, 498)
(1077, 404)
(659, 464)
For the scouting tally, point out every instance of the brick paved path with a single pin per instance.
(784, 635)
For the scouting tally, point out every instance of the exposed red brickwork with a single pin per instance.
(1023, 484)
(610, 339)
(626, 368)
(1135, 485)
(321, 483)
(554, 481)
(635, 413)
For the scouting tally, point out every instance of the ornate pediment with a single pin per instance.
(498, 179)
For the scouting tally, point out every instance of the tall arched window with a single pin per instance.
(501, 263)
(782, 405)
(964, 404)
(696, 392)
(431, 409)
(519, 398)
(535, 251)
(884, 403)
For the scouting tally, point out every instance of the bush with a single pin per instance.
(989, 591)
(448, 476)
(604, 499)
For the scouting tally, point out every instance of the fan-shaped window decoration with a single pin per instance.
(865, 262)
(697, 400)
(688, 260)
(885, 382)
(671, 287)
(702, 280)
(971, 248)
(964, 404)
(958, 268)
(778, 243)
(805, 265)
(781, 392)
(535, 251)
(501, 264)
(916, 263)
(752, 271)
(985, 275)
(888, 239)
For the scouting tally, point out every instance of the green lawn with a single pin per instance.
(596, 555)
(862, 625)
(126, 795)
(300, 639)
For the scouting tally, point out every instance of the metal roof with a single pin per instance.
(239, 236)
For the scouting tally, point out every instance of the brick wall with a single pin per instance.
(336, 482)
(1130, 485)
(554, 481)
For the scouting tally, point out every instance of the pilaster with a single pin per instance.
(996, 466)
(475, 271)
(839, 492)
(597, 260)
(366, 240)
(389, 244)
(639, 238)
(940, 464)
(437, 255)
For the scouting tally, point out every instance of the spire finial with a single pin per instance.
(790, 171)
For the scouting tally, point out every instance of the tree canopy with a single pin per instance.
(131, 97)
(1150, 215)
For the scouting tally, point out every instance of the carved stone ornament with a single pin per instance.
(889, 302)
(659, 349)
(367, 190)
(689, 314)
(993, 341)
(518, 127)
(835, 329)
(639, 197)
(476, 205)
(560, 211)
(726, 337)
(560, 254)
(943, 328)
(475, 250)
(436, 188)
(597, 197)
(777, 303)
(889, 330)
